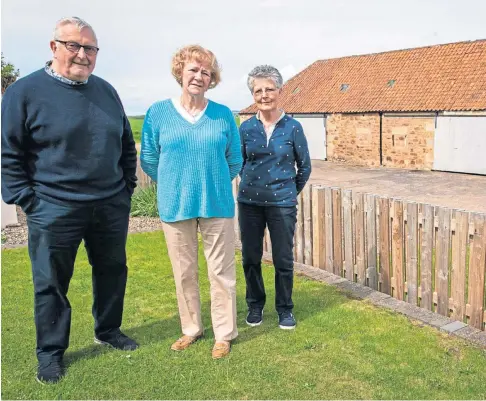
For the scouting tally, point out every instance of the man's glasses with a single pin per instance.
(76, 47)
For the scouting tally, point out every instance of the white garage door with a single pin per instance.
(315, 131)
(460, 144)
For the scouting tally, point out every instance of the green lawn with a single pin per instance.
(342, 348)
(136, 124)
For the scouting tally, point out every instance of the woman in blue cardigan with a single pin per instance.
(191, 148)
(276, 167)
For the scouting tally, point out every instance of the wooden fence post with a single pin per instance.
(457, 302)
(371, 244)
(348, 235)
(318, 227)
(307, 201)
(442, 261)
(359, 221)
(385, 245)
(337, 232)
(477, 262)
(397, 249)
(426, 247)
(412, 253)
(329, 230)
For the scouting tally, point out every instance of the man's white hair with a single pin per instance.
(76, 21)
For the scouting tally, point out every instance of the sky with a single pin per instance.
(137, 39)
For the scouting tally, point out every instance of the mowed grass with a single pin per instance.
(136, 123)
(341, 349)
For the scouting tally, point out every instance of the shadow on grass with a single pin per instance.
(145, 335)
(310, 298)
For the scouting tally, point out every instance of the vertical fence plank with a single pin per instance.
(329, 228)
(384, 218)
(371, 246)
(348, 235)
(307, 200)
(267, 244)
(412, 253)
(442, 261)
(477, 255)
(360, 270)
(299, 230)
(337, 232)
(458, 272)
(397, 249)
(426, 245)
(143, 180)
(318, 227)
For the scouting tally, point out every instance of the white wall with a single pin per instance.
(460, 144)
(314, 126)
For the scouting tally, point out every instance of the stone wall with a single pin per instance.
(408, 142)
(354, 138)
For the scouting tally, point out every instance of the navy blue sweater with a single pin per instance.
(269, 176)
(65, 144)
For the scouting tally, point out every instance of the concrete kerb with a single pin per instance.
(356, 290)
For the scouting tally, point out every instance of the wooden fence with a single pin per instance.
(430, 256)
(143, 180)
(433, 257)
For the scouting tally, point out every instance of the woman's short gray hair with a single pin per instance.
(76, 21)
(266, 72)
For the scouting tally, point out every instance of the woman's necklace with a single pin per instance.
(197, 111)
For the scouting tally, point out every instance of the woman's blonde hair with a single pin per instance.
(199, 54)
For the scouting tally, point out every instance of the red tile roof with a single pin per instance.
(436, 78)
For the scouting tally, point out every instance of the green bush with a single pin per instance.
(144, 202)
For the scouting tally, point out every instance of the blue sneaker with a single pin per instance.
(254, 317)
(286, 320)
(118, 340)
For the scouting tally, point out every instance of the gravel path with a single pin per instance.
(15, 236)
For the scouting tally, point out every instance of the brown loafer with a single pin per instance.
(184, 342)
(221, 349)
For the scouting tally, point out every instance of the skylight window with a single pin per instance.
(344, 87)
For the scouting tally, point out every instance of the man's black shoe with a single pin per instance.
(254, 317)
(50, 372)
(286, 320)
(119, 341)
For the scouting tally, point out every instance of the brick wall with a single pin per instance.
(354, 138)
(408, 142)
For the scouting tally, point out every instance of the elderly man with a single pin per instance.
(69, 160)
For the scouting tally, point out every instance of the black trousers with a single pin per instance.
(281, 225)
(55, 233)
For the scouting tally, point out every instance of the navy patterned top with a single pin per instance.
(273, 173)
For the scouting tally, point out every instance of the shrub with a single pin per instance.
(144, 202)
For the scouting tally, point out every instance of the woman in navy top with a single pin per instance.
(276, 167)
